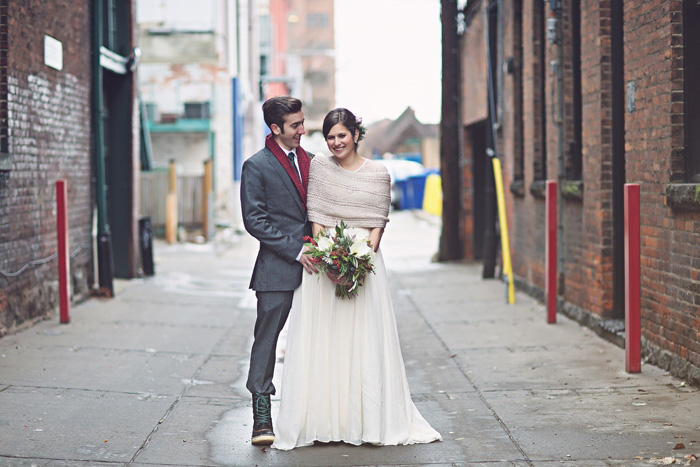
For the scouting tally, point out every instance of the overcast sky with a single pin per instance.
(388, 58)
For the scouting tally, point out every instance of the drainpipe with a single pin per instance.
(104, 236)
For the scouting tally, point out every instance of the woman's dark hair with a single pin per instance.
(349, 121)
(275, 108)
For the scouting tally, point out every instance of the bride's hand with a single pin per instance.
(336, 279)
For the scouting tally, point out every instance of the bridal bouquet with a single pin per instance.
(346, 254)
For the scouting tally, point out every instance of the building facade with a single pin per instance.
(298, 55)
(312, 50)
(185, 81)
(48, 72)
(593, 95)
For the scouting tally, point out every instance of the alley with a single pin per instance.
(156, 376)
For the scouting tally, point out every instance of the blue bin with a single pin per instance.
(417, 189)
(404, 195)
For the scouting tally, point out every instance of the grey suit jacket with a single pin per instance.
(274, 214)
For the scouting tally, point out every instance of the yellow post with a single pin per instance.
(171, 207)
(207, 200)
(503, 221)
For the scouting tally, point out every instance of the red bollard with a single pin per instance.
(633, 327)
(551, 252)
(63, 258)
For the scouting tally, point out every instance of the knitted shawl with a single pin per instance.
(360, 199)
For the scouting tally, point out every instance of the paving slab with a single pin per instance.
(100, 369)
(480, 439)
(81, 425)
(24, 462)
(181, 439)
(568, 424)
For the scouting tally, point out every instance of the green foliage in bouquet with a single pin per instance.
(347, 255)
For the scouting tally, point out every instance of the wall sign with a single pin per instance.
(53, 53)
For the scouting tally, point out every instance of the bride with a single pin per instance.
(343, 376)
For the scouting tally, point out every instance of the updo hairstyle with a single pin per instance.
(348, 120)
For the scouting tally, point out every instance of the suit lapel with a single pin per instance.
(284, 176)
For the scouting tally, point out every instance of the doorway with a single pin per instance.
(618, 159)
(117, 98)
(477, 142)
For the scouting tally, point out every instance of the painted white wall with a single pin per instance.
(190, 150)
(178, 14)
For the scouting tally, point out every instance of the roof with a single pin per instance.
(386, 135)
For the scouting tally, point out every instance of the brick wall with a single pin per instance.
(527, 226)
(670, 237)
(4, 19)
(474, 89)
(654, 157)
(48, 138)
(474, 112)
(588, 276)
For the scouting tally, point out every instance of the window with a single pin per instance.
(517, 71)
(317, 78)
(574, 159)
(318, 45)
(539, 103)
(319, 106)
(265, 32)
(317, 20)
(198, 110)
(691, 64)
(115, 24)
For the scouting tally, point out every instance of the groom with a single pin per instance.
(273, 200)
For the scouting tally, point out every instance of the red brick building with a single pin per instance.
(627, 111)
(47, 133)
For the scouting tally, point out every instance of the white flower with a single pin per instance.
(358, 233)
(360, 248)
(325, 244)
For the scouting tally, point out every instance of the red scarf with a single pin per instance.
(303, 160)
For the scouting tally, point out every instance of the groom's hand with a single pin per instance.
(306, 262)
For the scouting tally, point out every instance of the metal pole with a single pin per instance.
(503, 222)
(633, 332)
(104, 236)
(63, 256)
(551, 251)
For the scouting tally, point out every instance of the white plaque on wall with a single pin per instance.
(53, 53)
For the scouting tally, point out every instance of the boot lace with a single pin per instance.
(262, 409)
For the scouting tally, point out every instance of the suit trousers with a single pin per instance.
(273, 310)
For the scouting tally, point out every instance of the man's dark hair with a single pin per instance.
(275, 108)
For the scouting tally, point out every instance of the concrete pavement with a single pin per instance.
(156, 376)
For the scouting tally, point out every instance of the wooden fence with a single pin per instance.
(154, 188)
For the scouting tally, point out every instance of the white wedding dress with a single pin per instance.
(343, 377)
